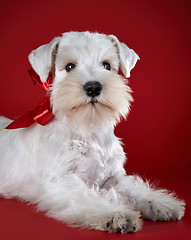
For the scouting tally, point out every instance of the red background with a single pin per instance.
(157, 133)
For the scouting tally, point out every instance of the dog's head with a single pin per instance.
(87, 90)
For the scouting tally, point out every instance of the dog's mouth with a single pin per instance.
(93, 102)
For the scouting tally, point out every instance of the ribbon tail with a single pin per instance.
(42, 114)
(23, 121)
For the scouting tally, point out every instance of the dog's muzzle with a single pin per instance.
(93, 89)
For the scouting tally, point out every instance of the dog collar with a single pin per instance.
(42, 114)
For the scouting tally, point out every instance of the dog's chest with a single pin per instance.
(93, 159)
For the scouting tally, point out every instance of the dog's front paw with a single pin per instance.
(163, 211)
(123, 223)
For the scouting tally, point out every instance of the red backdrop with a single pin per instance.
(157, 133)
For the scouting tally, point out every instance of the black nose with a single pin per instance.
(93, 88)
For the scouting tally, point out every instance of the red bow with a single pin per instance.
(42, 114)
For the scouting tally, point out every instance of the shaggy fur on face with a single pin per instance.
(70, 100)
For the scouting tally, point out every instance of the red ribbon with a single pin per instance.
(42, 114)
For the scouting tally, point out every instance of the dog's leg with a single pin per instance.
(154, 205)
(70, 200)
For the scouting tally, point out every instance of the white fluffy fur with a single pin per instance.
(73, 168)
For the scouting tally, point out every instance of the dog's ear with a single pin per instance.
(127, 56)
(43, 57)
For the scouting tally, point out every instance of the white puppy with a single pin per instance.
(73, 168)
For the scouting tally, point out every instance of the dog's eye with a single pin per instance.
(107, 66)
(69, 67)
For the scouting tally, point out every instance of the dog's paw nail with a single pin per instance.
(118, 230)
(108, 224)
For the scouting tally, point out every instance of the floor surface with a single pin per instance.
(20, 221)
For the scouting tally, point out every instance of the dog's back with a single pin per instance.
(4, 122)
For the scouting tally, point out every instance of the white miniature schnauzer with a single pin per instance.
(73, 168)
